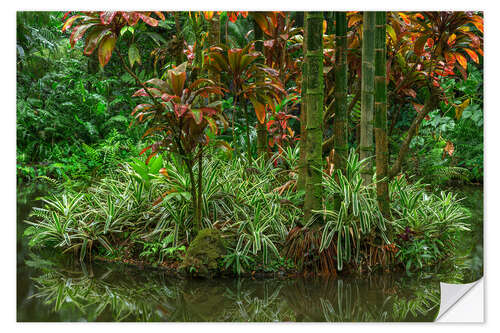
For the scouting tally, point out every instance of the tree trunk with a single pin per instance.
(340, 119)
(214, 30)
(261, 128)
(330, 18)
(214, 39)
(180, 52)
(429, 105)
(367, 95)
(381, 140)
(340, 141)
(301, 180)
(314, 100)
(194, 197)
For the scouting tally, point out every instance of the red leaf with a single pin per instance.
(418, 107)
(233, 16)
(260, 110)
(208, 15)
(65, 15)
(461, 60)
(145, 149)
(472, 54)
(107, 17)
(163, 195)
(148, 20)
(160, 15)
(405, 18)
(141, 107)
(478, 22)
(78, 33)
(131, 17)
(180, 109)
(270, 123)
(69, 22)
(451, 39)
(450, 58)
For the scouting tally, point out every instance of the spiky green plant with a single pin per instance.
(358, 217)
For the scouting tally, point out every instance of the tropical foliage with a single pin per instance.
(267, 126)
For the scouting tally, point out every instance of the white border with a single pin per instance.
(8, 132)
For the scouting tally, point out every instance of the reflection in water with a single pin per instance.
(108, 293)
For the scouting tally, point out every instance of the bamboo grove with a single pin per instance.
(327, 105)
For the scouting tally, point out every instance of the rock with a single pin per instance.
(204, 253)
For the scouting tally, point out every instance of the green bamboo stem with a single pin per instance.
(301, 180)
(340, 118)
(381, 141)
(367, 95)
(314, 127)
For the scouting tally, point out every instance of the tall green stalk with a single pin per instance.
(367, 94)
(301, 180)
(261, 128)
(314, 99)
(381, 141)
(340, 119)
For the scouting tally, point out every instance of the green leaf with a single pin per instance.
(197, 115)
(134, 55)
(155, 165)
(83, 249)
(106, 49)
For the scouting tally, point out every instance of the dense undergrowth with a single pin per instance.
(147, 217)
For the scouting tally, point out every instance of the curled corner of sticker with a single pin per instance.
(451, 294)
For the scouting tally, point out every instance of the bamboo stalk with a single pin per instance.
(314, 127)
(367, 94)
(381, 140)
(301, 180)
(340, 118)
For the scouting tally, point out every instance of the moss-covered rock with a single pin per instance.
(204, 253)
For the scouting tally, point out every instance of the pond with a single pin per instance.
(55, 289)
